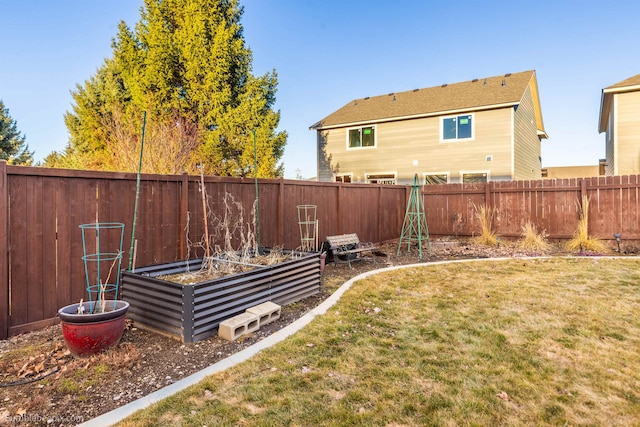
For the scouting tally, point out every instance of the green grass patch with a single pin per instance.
(517, 342)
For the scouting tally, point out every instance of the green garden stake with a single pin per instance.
(135, 208)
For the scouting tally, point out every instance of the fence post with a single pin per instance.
(379, 210)
(339, 208)
(4, 257)
(583, 189)
(184, 213)
(487, 196)
(281, 214)
(407, 196)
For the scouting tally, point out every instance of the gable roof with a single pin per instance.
(631, 81)
(478, 94)
(631, 84)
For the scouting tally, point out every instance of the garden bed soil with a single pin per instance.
(42, 384)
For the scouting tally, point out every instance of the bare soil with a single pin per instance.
(42, 384)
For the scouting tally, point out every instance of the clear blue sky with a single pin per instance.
(328, 52)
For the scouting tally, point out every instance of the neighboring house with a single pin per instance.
(620, 119)
(562, 172)
(485, 129)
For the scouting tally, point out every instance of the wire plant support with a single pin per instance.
(102, 269)
(414, 228)
(308, 223)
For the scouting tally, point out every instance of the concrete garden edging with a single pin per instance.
(129, 409)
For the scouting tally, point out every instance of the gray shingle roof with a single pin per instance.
(506, 89)
(631, 81)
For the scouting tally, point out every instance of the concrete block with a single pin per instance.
(267, 312)
(236, 326)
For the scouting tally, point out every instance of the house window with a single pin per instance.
(343, 178)
(362, 137)
(459, 127)
(382, 179)
(475, 177)
(436, 178)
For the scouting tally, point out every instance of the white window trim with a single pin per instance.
(368, 174)
(335, 175)
(425, 174)
(375, 137)
(473, 128)
(463, 173)
(513, 142)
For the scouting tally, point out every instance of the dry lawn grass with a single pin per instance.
(519, 342)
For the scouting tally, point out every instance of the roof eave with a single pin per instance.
(533, 84)
(318, 126)
(605, 109)
(606, 100)
(631, 88)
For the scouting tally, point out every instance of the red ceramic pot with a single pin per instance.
(86, 334)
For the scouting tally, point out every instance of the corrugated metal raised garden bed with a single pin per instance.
(192, 312)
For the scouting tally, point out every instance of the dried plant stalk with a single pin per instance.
(532, 240)
(225, 259)
(581, 239)
(484, 215)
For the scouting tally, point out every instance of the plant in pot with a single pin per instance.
(89, 327)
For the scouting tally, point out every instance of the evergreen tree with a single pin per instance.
(12, 144)
(187, 66)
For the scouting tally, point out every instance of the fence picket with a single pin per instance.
(41, 208)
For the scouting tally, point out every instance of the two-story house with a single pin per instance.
(620, 119)
(475, 131)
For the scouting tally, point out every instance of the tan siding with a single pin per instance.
(559, 172)
(527, 148)
(628, 133)
(609, 145)
(323, 162)
(402, 144)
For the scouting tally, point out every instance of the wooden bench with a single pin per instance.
(347, 247)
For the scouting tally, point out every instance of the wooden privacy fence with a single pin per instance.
(550, 205)
(41, 210)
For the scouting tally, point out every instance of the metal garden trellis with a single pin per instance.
(93, 254)
(414, 228)
(308, 224)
